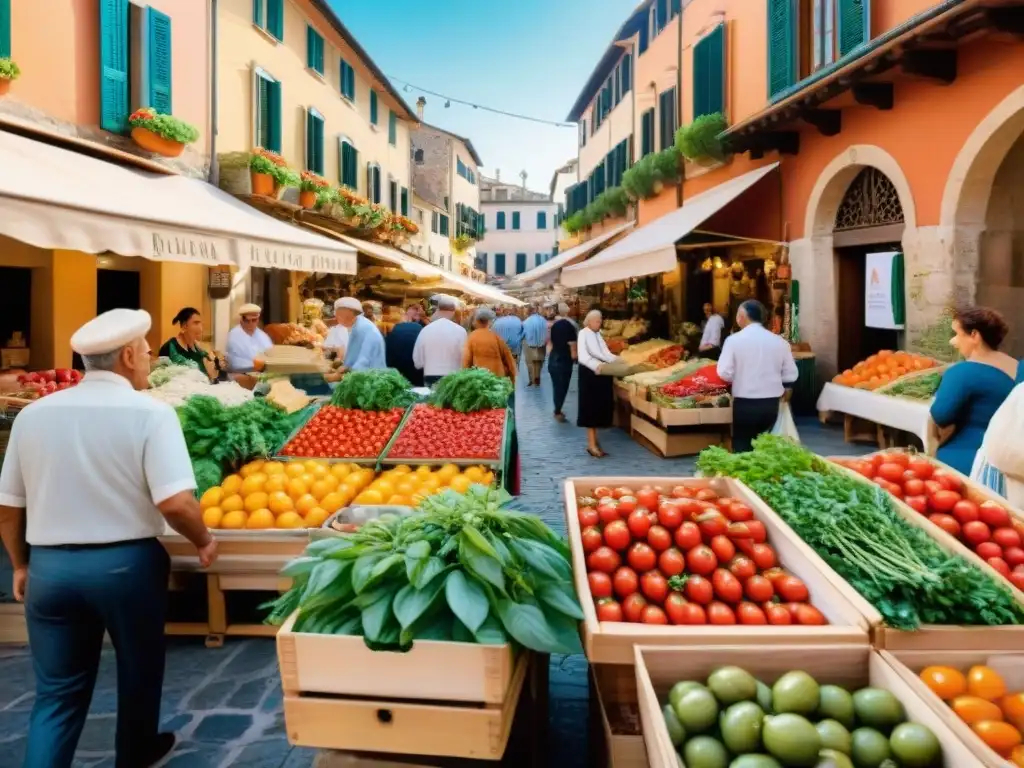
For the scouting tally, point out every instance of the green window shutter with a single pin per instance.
(275, 18)
(377, 191)
(709, 73)
(158, 40)
(854, 22)
(499, 263)
(626, 73)
(257, 12)
(515, 219)
(647, 133)
(542, 220)
(5, 28)
(114, 84)
(373, 106)
(501, 219)
(405, 201)
(392, 128)
(520, 263)
(782, 47)
(274, 116)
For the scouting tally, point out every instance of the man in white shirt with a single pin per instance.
(711, 340)
(337, 337)
(439, 346)
(91, 477)
(247, 341)
(760, 366)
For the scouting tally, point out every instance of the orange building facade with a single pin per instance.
(896, 125)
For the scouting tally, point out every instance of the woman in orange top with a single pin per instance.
(486, 349)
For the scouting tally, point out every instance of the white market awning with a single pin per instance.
(651, 249)
(480, 290)
(52, 197)
(573, 255)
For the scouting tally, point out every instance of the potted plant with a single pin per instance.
(269, 173)
(667, 167)
(638, 181)
(408, 224)
(8, 73)
(161, 134)
(310, 185)
(462, 243)
(701, 141)
(575, 223)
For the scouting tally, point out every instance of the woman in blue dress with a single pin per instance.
(971, 391)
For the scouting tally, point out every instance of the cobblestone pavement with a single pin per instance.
(225, 704)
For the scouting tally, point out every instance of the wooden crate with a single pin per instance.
(616, 712)
(612, 642)
(642, 405)
(670, 444)
(908, 664)
(851, 666)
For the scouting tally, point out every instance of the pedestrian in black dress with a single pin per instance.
(597, 399)
(563, 357)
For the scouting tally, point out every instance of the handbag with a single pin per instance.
(784, 424)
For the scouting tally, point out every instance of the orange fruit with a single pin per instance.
(253, 483)
(231, 484)
(211, 498)
(476, 474)
(403, 469)
(446, 473)
(276, 483)
(271, 468)
(369, 497)
(319, 488)
(212, 517)
(399, 500)
(251, 468)
(985, 683)
(1017, 756)
(1013, 709)
(297, 488)
(316, 517)
(234, 520)
(305, 503)
(460, 483)
(280, 502)
(316, 467)
(973, 710)
(256, 501)
(260, 519)
(294, 469)
(406, 488)
(233, 503)
(423, 470)
(290, 520)
(1001, 737)
(332, 502)
(945, 682)
(384, 487)
(431, 484)
(308, 478)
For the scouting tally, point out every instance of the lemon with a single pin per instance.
(254, 501)
(316, 517)
(211, 498)
(361, 478)
(446, 473)
(212, 517)
(273, 468)
(460, 483)
(297, 487)
(276, 483)
(341, 471)
(253, 483)
(430, 484)
(305, 503)
(251, 468)
(475, 474)
(423, 471)
(316, 468)
(384, 487)
(332, 502)
(280, 502)
(260, 518)
(407, 488)
(403, 469)
(399, 500)
(290, 520)
(233, 503)
(234, 520)
(294, 468)
(370, 497)
(319, 488)
(232, 484)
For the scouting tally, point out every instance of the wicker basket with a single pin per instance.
(9, 408)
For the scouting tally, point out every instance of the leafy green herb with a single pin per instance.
(471, 389)
(918, 388)
(9, 69)
(377, 389)
(167, 126)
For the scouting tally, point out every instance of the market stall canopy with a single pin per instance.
(56, 198)
(652, 248)
(480, 290)
(573, 255)
(403, 261)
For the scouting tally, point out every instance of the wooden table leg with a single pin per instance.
(847, 428)
(217, 612)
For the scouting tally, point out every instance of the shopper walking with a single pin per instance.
(760, 365)
(400, 343)
(563, 357)
(486, 349)
(711, 339)
(439, 346)
(535, 334)
(596, 398)
(510, 328)
(90, 479)
(365, 342)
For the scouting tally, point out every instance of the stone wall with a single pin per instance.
(431, 176)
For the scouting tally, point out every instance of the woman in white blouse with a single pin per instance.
(596, 398)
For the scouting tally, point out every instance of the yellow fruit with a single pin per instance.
(369, 497)
(260, 518)
(403, 469)
(430, 484)
(417, 499)
(233, 503)
(276, 483)
(423, 471)
(407, 488)
(316, 466)
(232, 484)
(308, 478)
(384, 487)
(212, 517)
(305, 503)
(332, 502)
(211, 498)
(315, 517)
(399, 500)
(254, 501)
(318, 489)
(234, 520)
(253, 483)
(341, 471)
(280, 502)
(446, 473)
(290, 520)
(273, 468)
(251, 468)
(475, 474)
(488, 478)
(360, 478)
(297, 487)
(460, 483)
(294, 469)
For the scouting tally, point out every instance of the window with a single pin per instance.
(499, 263)
(446, 207)
(542, 220)
(823, 33)
(667, 118)
(373, 106)
(348, 81)
(373, 190)
(5, 28)
(616, 163)
(520, 263)
(709, 73)
(480, 262)
(625, 74)
(501, 220)
(314, 50)
(443, 225)
(154, 81)
(314, 141)
(417, 157)
(583, 132)
(515, 219)
(460, 167)
(393, 195)
(268, 15)
(853, 24)
(392, 128)
(267, 111)
(404, 201)
(538, 259)
(647, 132)
(433, 221)
(348, 164)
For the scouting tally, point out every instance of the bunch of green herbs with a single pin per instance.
(918, 388)
(375, 389)
(471, 389)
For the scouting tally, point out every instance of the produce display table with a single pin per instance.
(883, 410)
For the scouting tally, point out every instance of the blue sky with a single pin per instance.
(530, 57)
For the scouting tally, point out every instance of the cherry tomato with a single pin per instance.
(681, 492)
(659, 538)
(727, 587)
(654, 586)
(948, 482)
(913, 487)
(976, 532)
(808, 615)
(947, 523)
(890, 471)
(701, 560)
(944, 501)
(699, 590)
(1014, 556)
(671, 562)
(763, 556)
(616, 535)
(653, 615)
(647, 498)
(706, 494)
(592, 538)
(687, 536)
(917, 503)
(608, 510)
(740, 531)
(639, 523)
(791, 589)
(993, 515)
(720, 613)
(713, 524)
(1000, 565)
(1006, 537)
(603, 559)
(602, 492)
(777, 614)
(922, 468)
(966, 511)
(739, 512)
(895, 457)
(723, 548)
(758, 589)
(609, 610)
(600, 584)
(626, 506)
(690, 508)
(1017, 579)
(988, 549)
(863, 468)
(625, 581)
(682, 612)
(742, 567)
(641, 557)
(633, 607)
(588, 516)
(757, 531)
(748, 613)
(621, 491)
(670, 515)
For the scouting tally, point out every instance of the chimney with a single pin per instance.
(522, 175)
(420, 104)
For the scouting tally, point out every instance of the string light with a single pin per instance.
(449, 100)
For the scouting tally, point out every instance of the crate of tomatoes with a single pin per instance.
(344, 434)
(670, 561)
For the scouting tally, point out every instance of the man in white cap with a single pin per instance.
(365, 342)
(247, 341)
(439, 346)
(91, 477)
(337, 337)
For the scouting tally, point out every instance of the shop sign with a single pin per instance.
(188, 247)
(883, 299)
(271, 257)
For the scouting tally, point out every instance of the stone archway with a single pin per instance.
(813, 256)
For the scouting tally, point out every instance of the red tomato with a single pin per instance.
(1017, 579)
(681, 492)
(791, 589)
(809, 615)
(895, 457)
(777, 614)
(706, 494)
(654, 586)
(699, 590)
(988, 549)
(600, 584)
(1014, 556)
(687, 536)
(748, 613)
(727, 587)
(608, 510)
(639, 523)
(609, 610)
(621, 491)
(670, 515)
(739, 512)
(693, 614)
(947, 481)
(923, 468)
(633, 607)
(917, 503)
(723, 548)
(757, 531)
(947, 523)
(701, 560)
(758, 589)
(932, 487)
(603, 559)
(602, 492)
(659, 538)
(588, 516)
(641, 557)
(763, 556)
(625, 581)
(944, 501)
(592, 538)
(691, 509)
(616, 535)
(891, 472)
(1006, 537)
(966, 512)
(654, 615)
(913, 487)
(648, 498)
(713, 524)
(675, 608)
(671, 562)
(1000, 565)
(993, 515)
(892, 488)
(626, 505)
(742, 567)
(720, 613)
(864, 468)
(976, 532)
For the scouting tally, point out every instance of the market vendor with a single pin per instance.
(711, 340)
(336, 343)
(365, 341)
(184, 349)
(247, 341)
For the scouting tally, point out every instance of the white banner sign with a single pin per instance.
(878, 304)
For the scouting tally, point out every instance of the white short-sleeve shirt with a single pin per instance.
(90, 464)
